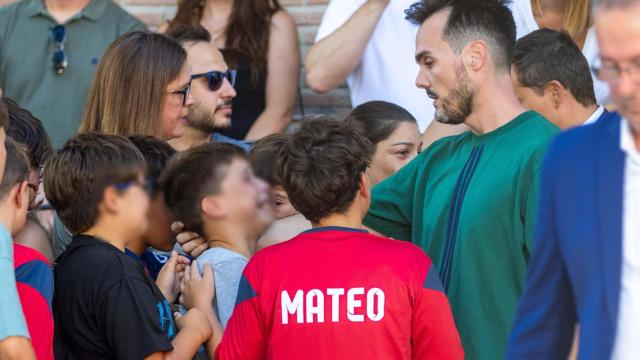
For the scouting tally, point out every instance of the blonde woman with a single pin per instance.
(141, 87)
(573, 16)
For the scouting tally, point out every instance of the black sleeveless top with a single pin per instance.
(250, 100)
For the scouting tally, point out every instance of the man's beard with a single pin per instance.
(203, 120)
(458, 105)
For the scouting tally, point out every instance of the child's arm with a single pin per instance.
(195, 329)
(16, 347)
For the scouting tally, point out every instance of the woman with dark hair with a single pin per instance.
(141, 87)
(394, 132)
(259, 39)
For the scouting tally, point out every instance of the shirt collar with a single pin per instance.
(627, 143)
(595, 116)
(93, 11)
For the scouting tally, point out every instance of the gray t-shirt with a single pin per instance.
(227, 271)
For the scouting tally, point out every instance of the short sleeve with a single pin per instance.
(336, 14)
(133, 320)
(13, 322)
(227, 276)
(391, 210)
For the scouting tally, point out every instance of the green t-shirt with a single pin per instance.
(470, 202)
(26, 67)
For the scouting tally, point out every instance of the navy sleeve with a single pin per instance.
(546, 315)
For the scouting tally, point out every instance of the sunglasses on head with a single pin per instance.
(58, 36)
(216, 78)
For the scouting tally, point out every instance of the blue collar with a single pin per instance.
(334, 228)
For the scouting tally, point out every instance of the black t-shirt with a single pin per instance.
(105, 305)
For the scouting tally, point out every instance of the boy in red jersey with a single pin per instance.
(337, 291)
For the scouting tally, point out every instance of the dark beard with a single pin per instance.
(459, 104)
(201, 121)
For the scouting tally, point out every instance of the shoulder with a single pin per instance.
(23, 254)
(12, 9)
(582, 141)
(221, 257)
(120, 18)
(398, 249)
(282, 21)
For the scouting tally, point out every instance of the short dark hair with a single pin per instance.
(545, 55)
(4, 116)
(469, 20)
(156, 154)
(194, 174)
(377, 120)
(76, 177)
(264, 157)
(26, 129)
(321, 165)
(189, 33)
(17, 166)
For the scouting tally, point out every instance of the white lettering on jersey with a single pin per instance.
(314, 300)
(292, 307)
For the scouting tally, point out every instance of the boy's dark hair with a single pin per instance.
(189, 33)
(264, 158)
(377, 120)
(194, 174)
(470, 20)
(76, 177)
(321, 165)
(28, 130)
(4, 116)
(545, 55)
(156, 154)
(17, 166)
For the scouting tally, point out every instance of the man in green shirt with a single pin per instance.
(470, 200)
(49, 50)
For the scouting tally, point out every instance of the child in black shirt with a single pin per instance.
(105, 305)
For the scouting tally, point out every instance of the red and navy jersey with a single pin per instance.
(340, 293)
(34, 281)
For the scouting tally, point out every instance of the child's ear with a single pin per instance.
(365, 186)
(18, 197)
(110, 199)
(211, 207)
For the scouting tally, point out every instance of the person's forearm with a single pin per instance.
(216, 328)
(267, 124)
(16, 347)
(185, 345)
(333, 58)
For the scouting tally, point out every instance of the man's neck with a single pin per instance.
(495, 104)
(231, 237)
(191, 137)
(107, 231)
(63, 10)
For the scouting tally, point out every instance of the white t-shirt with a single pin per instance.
(526, 23)
(387, 70)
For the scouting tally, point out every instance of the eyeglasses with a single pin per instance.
(216, 78)
(184, 92)
(58, 36)
(612, 72)
(147, 185)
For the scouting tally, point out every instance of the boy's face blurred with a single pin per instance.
(282, 205)
(158, 234)
(246, 198)
(133, 208)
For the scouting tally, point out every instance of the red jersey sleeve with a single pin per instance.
(433, 331)
(244, 337)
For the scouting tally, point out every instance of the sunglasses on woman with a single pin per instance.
(216, 78)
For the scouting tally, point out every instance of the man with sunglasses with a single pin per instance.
(49, 50)
(211, 87)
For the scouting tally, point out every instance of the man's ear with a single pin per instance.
(557, 93)
(475, 55)
(212, 208)
(17, 194)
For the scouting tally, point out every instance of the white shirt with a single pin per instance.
(595, 116)
(387, 70)
(627, 344)
(526, 23)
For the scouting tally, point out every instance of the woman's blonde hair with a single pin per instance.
(130, 85)
(577, 18)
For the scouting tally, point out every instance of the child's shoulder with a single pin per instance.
(218, 256)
